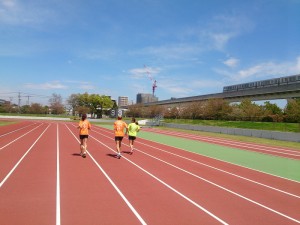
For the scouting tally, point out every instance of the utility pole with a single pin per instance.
(19, 101)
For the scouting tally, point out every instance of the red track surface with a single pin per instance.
(43, 180)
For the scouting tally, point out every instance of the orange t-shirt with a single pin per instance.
(84, 127)
(119, 127)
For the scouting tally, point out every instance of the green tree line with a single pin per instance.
(219, 109)
(76, 104)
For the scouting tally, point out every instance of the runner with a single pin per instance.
(133, 128)
(84, 127)
(119, 126)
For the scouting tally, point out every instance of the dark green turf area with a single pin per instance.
(278, 166)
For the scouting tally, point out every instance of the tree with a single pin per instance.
(292, 111)
(272, 109)
(7, 107)
(216, 108)
(73, 102)
(97, 103)
(36, 108)
(134, 110)
(250, 111)
(25, 109)
(82, 110)
(90, 103)
(56, 104)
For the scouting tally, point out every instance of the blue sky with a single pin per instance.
(111, 47)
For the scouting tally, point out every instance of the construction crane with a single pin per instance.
(154, 86)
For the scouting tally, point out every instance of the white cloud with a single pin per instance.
(31, 13)
(180, 88)
(265, 69)
(231, 62)
(191, 42)
(77, 84)
(220, 40)
(224, 28)
(87, 87)
(180, 51)
(176, 90)
(144, 72)
(46, 86)
(206, 84)
(8, 3)
(100, 54)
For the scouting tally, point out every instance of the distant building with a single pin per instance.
(145, 98)
(123, 101)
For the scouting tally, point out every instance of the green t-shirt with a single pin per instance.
(133, 129)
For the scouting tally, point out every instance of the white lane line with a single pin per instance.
(57, 179)
(210, 182)
(223, 171)
(17, 164)
(168, 186)
(120, 193)
(105, 130)
(114, 185)
(20, 137)
(16, 130)
(221, 187)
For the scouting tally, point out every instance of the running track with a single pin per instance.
(43, 180)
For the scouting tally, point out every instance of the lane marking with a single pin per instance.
(17, 164)
(224, 171)
(210, 182)
(16, 130)
(20, 137)
(57, 178)
(105, 130)
(113, 184)
(168, 186)
(223, 188)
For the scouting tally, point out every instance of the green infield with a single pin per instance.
(4, 123)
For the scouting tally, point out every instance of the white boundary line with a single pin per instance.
(57, 178)
(113, 184)
(17, 164)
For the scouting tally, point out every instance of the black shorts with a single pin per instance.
(118, 138)
(131, 137)
(83, 136)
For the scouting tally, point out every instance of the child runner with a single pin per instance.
(84, 127)
(119, 126)
(133, 128)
